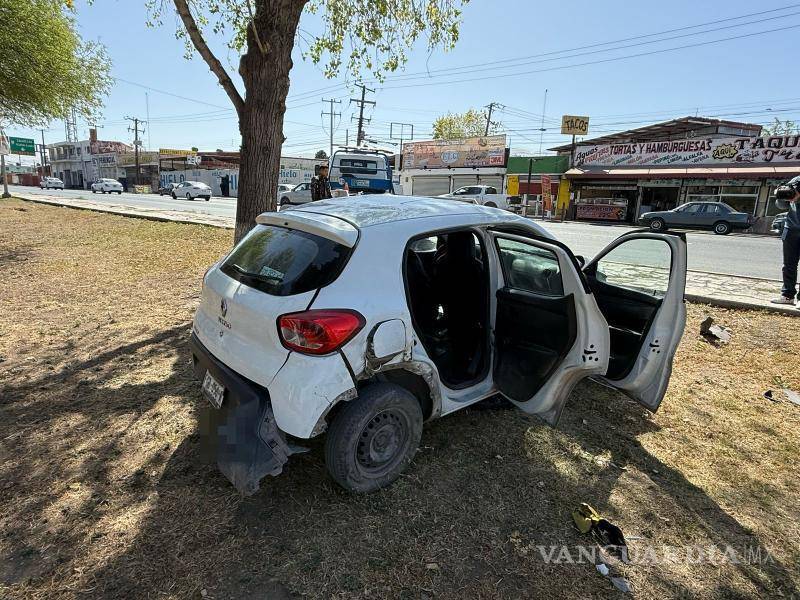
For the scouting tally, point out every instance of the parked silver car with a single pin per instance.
(716, 216)
(300, 194)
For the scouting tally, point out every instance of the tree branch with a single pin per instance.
(182, 7)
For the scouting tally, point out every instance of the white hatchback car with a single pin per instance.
(106, 186)
(51, 183)
(365, 319)
(191, 190)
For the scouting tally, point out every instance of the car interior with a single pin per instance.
(628, 307)
(536, 324)
(447, 286)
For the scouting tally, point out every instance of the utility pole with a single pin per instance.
(541, 127)
(332, 114)
(136, 141)
(4, 148)
(489, 117)
(44, 155)
(401, 128)
(361, 103)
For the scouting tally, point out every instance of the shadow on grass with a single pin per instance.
(485, 488)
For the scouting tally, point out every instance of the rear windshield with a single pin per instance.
(282, 262)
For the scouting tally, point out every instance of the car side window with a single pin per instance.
(530, 268)
(460, 192)
(491, 190)
(694, 209)
(641, 264)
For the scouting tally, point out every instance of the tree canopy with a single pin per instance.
(778, 127)
(471, 123)
(46, 69)
(321, 154)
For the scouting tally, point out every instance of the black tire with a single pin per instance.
(120, 192)
(174, 196)
(373, 438)
(658, 224)
(491, 205)
(94, 191)
(722, 228)
(188, 196)
(284, 202)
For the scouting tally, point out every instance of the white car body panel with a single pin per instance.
(299, 194)
(483, 198)
(246, 337)
(190, 190)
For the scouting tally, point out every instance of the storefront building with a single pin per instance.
(696, 159)
(437, 167)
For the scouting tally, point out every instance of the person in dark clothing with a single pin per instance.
(787, 197)
(320, 185)
(225, 185)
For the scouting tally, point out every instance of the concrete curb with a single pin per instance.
(693, 298)
(727, 303)
(164, 218)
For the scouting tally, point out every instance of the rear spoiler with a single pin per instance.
(327, 226)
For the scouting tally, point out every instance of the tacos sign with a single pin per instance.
(705, 151)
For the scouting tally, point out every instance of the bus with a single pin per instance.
(362, 169)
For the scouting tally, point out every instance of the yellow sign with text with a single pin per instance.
(572, 125)
(512, 185)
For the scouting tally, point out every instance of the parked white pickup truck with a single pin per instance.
(485, 195)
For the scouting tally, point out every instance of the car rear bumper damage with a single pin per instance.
(242, 434)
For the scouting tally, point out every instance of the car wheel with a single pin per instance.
(491, 205)
(188, 196)
(658, 224)
(722, 228)
(94, 191)
(174, 196)
(374, 437)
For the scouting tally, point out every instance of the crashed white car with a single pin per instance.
(364, 319)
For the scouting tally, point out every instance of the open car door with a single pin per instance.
(549, 333)
(638, 282)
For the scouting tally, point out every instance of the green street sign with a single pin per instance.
(22, 146)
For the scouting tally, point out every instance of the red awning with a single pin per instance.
(684, 172)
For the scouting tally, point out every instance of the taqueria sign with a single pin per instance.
(697, 151)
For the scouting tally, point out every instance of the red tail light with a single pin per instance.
(319, 331)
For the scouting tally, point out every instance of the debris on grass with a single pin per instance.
(716, 334)
(621, 584)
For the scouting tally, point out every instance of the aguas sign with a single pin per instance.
(699, 151)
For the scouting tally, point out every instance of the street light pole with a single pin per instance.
(5, 178)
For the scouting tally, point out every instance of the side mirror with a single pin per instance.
(581, 260)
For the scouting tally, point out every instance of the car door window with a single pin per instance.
(641, 265)
(530, 268)
(491, 190)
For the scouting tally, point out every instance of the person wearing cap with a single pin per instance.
(786, 197)
(321, 185)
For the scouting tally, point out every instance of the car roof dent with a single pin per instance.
(327, 226)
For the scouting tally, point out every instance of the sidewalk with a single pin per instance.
(712, 288)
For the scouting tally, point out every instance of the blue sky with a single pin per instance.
(752, 78)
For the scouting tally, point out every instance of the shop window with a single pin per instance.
(739, 189)
(702, 190)
(745, 204)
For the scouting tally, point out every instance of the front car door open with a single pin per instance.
(549, 332)
(638, 282)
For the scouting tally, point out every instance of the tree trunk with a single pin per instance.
(265, 71)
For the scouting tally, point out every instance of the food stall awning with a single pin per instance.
(684, 172)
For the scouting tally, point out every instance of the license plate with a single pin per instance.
(213, 390)
(362, 183)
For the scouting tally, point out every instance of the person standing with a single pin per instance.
(787, 197)
(321, 185)
(225, 185)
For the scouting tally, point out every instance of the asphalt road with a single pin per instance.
(740, 254)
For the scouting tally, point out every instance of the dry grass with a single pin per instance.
(103, 494)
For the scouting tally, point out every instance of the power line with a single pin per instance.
(136, 142)
(474, 67)
(594, 62)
